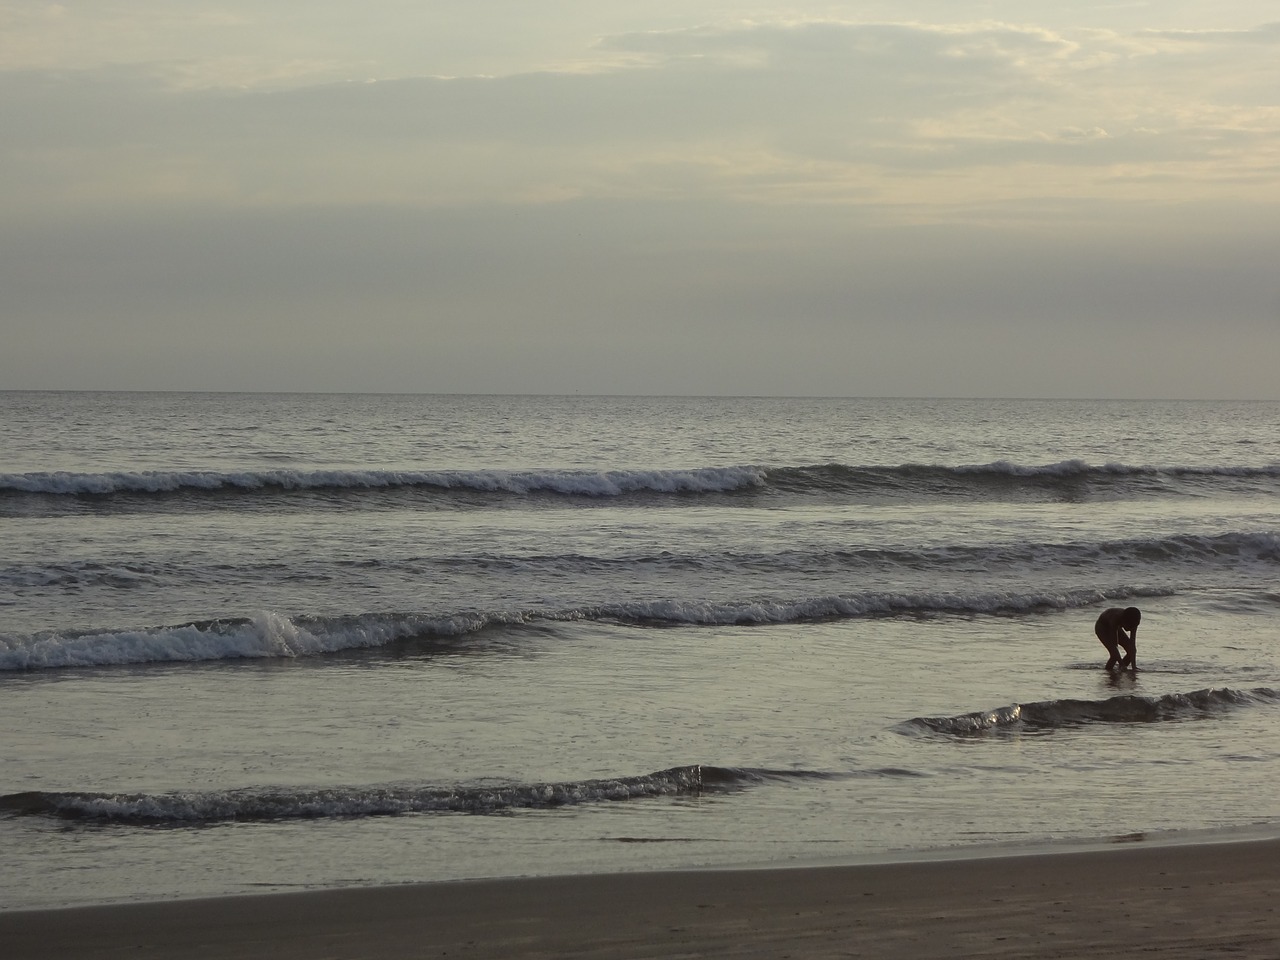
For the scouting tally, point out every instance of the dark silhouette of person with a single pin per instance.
(1111, 628)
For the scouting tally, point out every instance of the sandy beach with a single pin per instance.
(1182, 901)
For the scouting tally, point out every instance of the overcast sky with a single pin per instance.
(918, 198)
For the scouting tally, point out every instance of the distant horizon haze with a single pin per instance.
(960, 199)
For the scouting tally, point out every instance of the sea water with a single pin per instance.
(266, 642)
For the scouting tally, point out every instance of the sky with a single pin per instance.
(1014, 198)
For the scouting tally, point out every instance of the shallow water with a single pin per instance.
(584, 635)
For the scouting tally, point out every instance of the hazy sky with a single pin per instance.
(934, 198)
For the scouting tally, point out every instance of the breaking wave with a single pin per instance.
(275, 803)
(270, 635)
(1067, 480)
(1067, 713)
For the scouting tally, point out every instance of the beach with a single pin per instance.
(1171, 901)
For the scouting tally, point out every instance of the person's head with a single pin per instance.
(1131, 618)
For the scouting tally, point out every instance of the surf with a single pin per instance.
(1067, 714)
(271, 635)
(1001, 480)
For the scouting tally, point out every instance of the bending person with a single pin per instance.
(1118, 629)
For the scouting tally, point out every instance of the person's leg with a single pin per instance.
(1108, 640)
(1130, 645)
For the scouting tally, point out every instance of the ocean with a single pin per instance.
(266, 642)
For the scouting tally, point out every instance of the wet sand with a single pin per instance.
(1181, 901)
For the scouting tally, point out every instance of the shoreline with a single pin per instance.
(1183, 899)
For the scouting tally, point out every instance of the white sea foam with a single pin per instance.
(270, 635)
(265, 635)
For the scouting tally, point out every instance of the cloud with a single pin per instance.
(810, 206)
(1266, 33)
(830, 111)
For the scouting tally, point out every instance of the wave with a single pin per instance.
(264, 636)
(1069, 480)
(1236, 549)
(276, 803)
(1068, 713)
(271, 635)
(584, 483)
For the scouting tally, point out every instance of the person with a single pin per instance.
(1111, 628)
